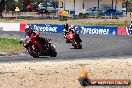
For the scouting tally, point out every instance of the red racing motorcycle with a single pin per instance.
(35, 48)
(72, 38)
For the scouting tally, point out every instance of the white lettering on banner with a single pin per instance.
(43, 29)
(94, 31)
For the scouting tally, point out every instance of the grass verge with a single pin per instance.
(10, 46)
(86, 22)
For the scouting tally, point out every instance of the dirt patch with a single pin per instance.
(63, 74)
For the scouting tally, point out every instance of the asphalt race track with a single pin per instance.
(94, 46)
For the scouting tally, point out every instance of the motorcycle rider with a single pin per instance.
(67, 29)
(30, 32)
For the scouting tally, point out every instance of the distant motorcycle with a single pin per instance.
(73, 39)
(35, 48)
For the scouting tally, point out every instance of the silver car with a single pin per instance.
(43, 6)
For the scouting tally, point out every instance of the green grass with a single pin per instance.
(10, 46)
(84, 22)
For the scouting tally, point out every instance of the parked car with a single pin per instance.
(93, 12)
(110, 12)
(43, 6)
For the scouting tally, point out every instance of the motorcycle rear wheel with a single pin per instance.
(32, 52)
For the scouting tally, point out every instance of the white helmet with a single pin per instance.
(27, 26)
(71, 27)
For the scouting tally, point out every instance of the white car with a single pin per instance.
(43, 6)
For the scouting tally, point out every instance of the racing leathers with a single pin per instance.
(65, 31)
(36, 35)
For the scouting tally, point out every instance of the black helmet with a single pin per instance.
(66, 25)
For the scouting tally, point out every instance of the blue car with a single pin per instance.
(110, 12)
(93, 12)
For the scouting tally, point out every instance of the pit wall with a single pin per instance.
(57, 28)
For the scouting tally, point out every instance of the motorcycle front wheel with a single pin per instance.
(78, 45)
(33, 52)
(53, 52)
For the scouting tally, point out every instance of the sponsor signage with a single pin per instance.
(48, 28)
(55, 28)
(129, 30)
(81, 29)
(10, 26)
(99, 30)
(122, 31)
(22, 27)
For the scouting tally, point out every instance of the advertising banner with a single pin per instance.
(9, 26)
(129, 30)
(54, 28)
(22, 27)
(122, 31)
(99, 30)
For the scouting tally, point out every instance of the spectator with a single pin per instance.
(29, 8)
(60, 14)
(17, 9)
(35, 7)
(40, 9)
